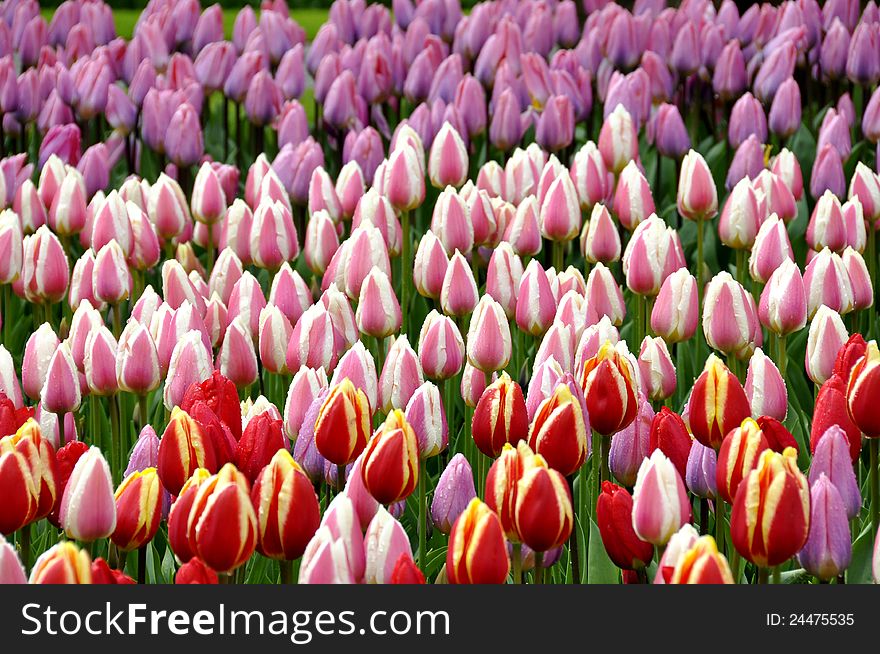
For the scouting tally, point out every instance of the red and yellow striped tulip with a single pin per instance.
(500, 416)
(543, 516)
(138, 510)
(178, 516)
(610, 389)
(64, 563)
(718, 404)
(559, 432)
(477, 552)
(502, 483)
(390, 469)
(702, 564)
(343, 424)
(738, 456)
(863, 390)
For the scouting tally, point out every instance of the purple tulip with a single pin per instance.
(831, 458)
(748, 161)
(746, 118)
(827, 173)
(828, 550)
(785, 112)
(184, 143)
(669, 133)
(455, 490)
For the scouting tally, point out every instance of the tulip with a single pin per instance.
(404, 180)
(111, 279)
(778, 197)
(222, 524)
(746, 118)
(828, 550)
(287, 508)
(827, 173)
(11, 569)
(357, 364)
(378, 313)
(652, 253)
(17, 480)
(730, 320)
(441, 349)
(138, 510)
(670, 136)
(865, 186)
(88, 509)
(776, 494)
(631, 445)
(523, 230)
(738, 456)
(45, 271)
(326, 560)
(697, 197)
(618, 141)
(826, 227)
(500, 416)
(831, 458)
(425, 413)
(459, 294)
(560, 211)
(64, 563)
(488, 339)
(184, 143)
(342, 425)
(600, 240)
(11, 239)
(274, 336)
(401, 375)
(190, 363)
(455, 490)
(783, 305)
(610, 389)
(559, 432)
(590, 176)
(633, 201)
(195, 571)
(765, 388)
(656, 369)
(859, 278)
(771, 248)
(536, 305)
(273, 239)
(448, 158)
(477, 553)
(385, 543)
(208, 199)
(718, 404)
(826, 336)
(740, 218)
(660, 505)
(614, 509)
(429, 268)
(61, 390)
(702, 564)
(700, 473)
(391, 460)
(540, 490)
(290, 293)
(676, 309)
(261, 439)
(862, 380)
(669, 434)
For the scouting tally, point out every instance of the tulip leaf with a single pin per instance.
(859, 571)
(169, 566)
(601, 568)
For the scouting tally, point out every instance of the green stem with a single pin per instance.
(423, 510)
(874, 449)
(7, 314)
(573, 552)
(116, 451)
(539, 568)
(783, 356)
(405, 269)
(763, 575)
(142, 410)
(558, 255)
(517, 563)
(117, 321)
(719, 524)
(700, 230)
(142, 565)
(25, 542)
(777, 575)
(286, 572)
(584, 519)
(741, 266)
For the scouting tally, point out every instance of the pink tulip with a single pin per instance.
(633, 201)
(11, 569)
(247, 301)
(313, 342)
(341, 315)
(441, 348)
(697, 196)
(730, 320)
(772, 246)
(503, 277)
(777, 195)
(783, 305)
(618, 140)
(378, 313)
(88, 509)
(304, 388)
(740, 218)
(448, 158)
(656, 369)
(376, 210)
(61, 390)
(350, 187)
(827, 282)
(322, 194)
(854, 221)
(860, 280)
(168, 208)
(404, 180)
(431, 263)
(236, 359)
(11, 252)
(600, 240)
(236, 231)
(652, 254)
(226, 272)
(865, 185)
(451, 222)
(45, 271)
(826, 227)
(560, 211)
(274, 336)
(321, 242)
(67, 213)
(111, 279)
(290, 293)
(145, 250)
(523, 231)
(190, 363)
(367, 250)
(826, 336)
(604, 297)
(536, 304)
(459, 294)
(425, 413)
(400, 377)
(488, 339)
(676, 309)
(137, 360)
(273, 238)
(660, 503)
(38, 352)
(100, 362)
(208, 198)
(359, 367)
(765, 388)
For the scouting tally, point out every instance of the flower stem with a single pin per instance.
(719, 524)
(405, 269)
(573, 552)
(286, 571)
(558, 255)
(874, 448)
(700, 229)
(423, 509)
(539, 568)
(517, 563)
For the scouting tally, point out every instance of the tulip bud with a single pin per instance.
(503, 277)
(702, 564)
(718, 403)
(429, 268)
(88, 509)
(633, 201)
(488, 339)
(828, 549)
(222, 525)
(441, 349)
(11, 569)
(500, 416)
(614, 510)
(426, 415)
(618, 140)
(831, 458)
(771, 511)
(138, 510)
(448, 159)
(401, 375)
(600, 240)
(826, 336)
(738, 456)
(477, 553)
(287, 508)
(771, 248)
(669, 434)
(610, 389)
(536, 304)
(862, 382)
(660, 505)
(559, 432)
(378, 313)
(393, 447)
(697, 196)
(783, 306)
(455, 490)
(190, 363)
(740, 218)
(543, 513)
(652, 254)
(404, 179)
(676, 309)
(385, 542)
(631, 445)
(45, 271)
(342, 427)
(61, 390)
(656, 369)
(64, 563)
(273, 238)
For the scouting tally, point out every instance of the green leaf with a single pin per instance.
(859, 571)
(601, 568)
(169, 566)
